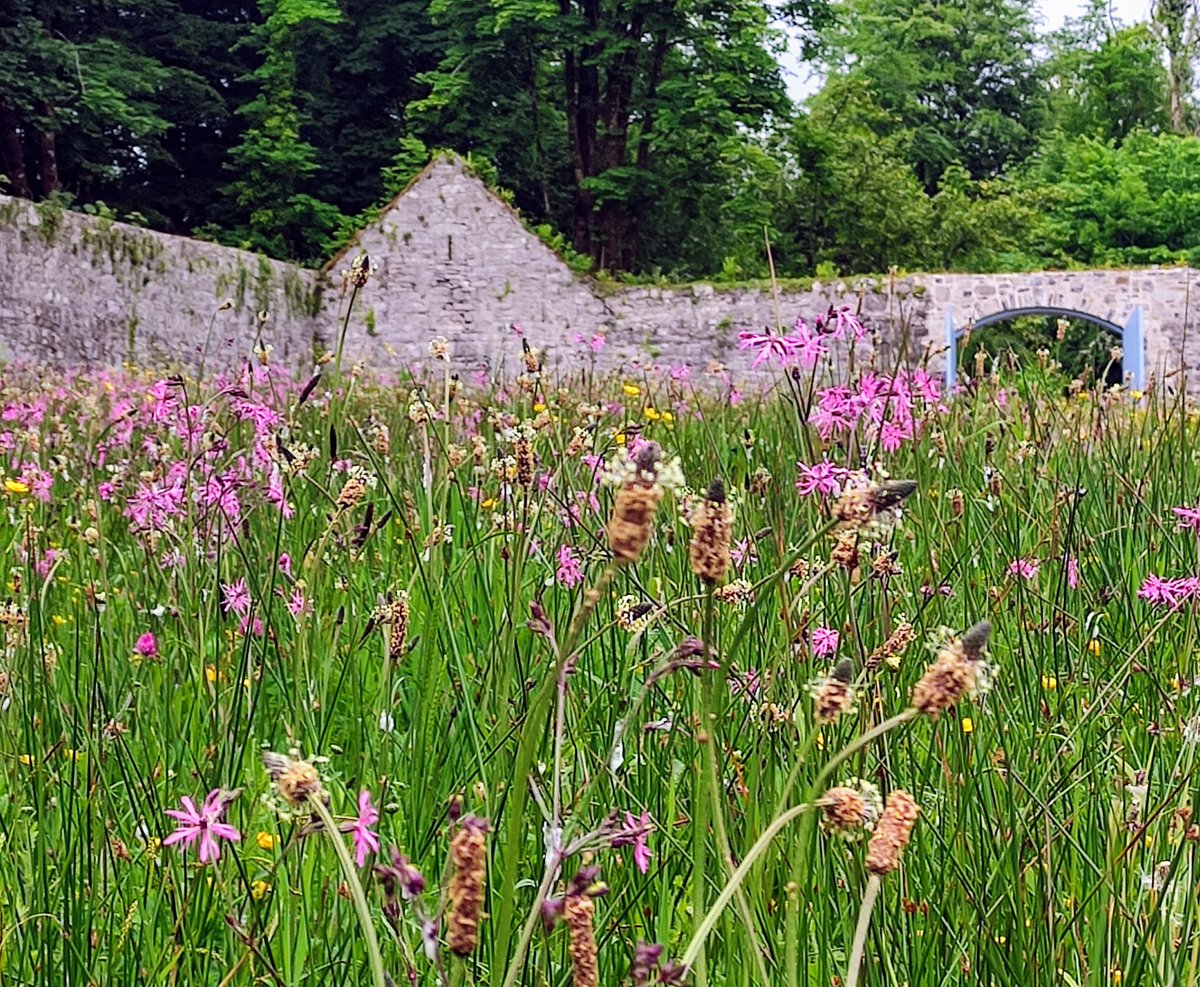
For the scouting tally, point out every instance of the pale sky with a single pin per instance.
(801, 83)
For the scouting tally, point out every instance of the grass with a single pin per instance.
(1054, 843)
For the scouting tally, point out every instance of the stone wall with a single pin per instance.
(82, 290)
(454, 260)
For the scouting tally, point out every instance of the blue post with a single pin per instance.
(1133, 348)
(951, 351)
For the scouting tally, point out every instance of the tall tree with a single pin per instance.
(1177, 24)
(273, 164)
(626, 78)
(960, 75)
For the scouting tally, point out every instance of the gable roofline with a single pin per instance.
(464, 166)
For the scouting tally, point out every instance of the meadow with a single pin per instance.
(599, 677)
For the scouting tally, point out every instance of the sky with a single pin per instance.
(1053, 13)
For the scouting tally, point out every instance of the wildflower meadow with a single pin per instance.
(813, 675)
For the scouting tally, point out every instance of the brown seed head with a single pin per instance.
(464, 895)
(891, 651)
(892, 833)
(632, 520)
(523, 452)
(296, 781)
(845, 551)
(578, 912)
(946, 681)
(712, 531)
(398, 627)
(831, 698)
(843, 808)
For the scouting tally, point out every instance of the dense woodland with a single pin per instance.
(647, 138)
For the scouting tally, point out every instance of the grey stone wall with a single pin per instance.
(80, 290)
(454, 260)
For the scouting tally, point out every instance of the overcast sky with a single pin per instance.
(1053, 13)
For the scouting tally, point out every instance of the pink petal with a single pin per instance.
(183, 833)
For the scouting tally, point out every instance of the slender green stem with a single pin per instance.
(860, 931)
(760, 845)
(350, 872)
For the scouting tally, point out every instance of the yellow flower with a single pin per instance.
(15, 486)
(619, 438)
(1094, 647)
(259, 890)
(58, 619)
(539, 407)
(488, 503)
(668, 418)
(265, 840)
(1138, 395)
(967, 725)
(1149, 841)
(1049, 683)
(631, 390)
(820, 741)
(70, 754)
(210, 673)
(1117, 976)
(651, 414)
(26, 759)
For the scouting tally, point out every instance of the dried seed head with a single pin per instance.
(296, 781)
(360, 271)
(892, 650)
(845, 551)
(892, 833)
(523, 454)
(464, 894)
(578, 912)
(958, 503)
(351, 494)
(712, 531)
(398, 627)
(632, 520)
(946, 681)
(850, 810)
(831, 698)
(976, 639)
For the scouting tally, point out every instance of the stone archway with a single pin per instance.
(1133, 342)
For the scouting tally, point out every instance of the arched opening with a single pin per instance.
(1080, 342)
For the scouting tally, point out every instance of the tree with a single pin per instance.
(1177, 25)
(1105, 82)
(622, 81)
(960, 76)
(274, 165)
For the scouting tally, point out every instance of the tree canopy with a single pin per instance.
(645, 138)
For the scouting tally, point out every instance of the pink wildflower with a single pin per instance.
(823, 478)
(768, 346)
(1024, 567)
(1170, 593)
(824, 641)
(636, 833)
(203, 824)
(570, 572)
(743, 552)
(285, 564)
(146, 646)
(1189, 517)
(365, 839)
(1072, 573)
(237, 597)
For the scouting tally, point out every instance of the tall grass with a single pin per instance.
(1055, 842)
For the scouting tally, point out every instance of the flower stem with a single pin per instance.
(860, 931)
(356, 891)
(760, 845)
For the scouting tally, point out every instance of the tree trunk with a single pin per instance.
(12, 153)
(47, 153)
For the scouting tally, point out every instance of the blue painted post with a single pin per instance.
(1133, 348)
(951, 351)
